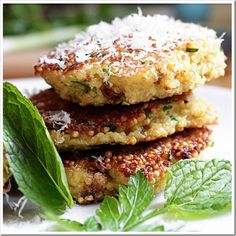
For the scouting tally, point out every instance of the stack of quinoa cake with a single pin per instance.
(121, 100)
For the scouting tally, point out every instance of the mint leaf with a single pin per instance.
(134, 199)
(91, 225)
(69, 225)
(31, 154)
(197, 186)
(109, 213)
(126, 212)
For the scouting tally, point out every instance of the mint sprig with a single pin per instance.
(31, 154)
(126, 212)
(193, 186)
(123, 214)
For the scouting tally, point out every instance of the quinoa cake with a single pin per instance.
(75, 127)
(133, 60)
(95, 173)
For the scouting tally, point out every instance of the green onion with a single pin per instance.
(148, 113)
(192, 49)
(173, 118)
(167, 106)
(82, 85)
(106, 71)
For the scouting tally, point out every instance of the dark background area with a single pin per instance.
(25, 18)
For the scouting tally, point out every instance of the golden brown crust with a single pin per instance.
(180, 72)
(133, 60)
(98, 119)
(106, 168)
(88, 126)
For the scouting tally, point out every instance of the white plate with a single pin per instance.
(223, 149)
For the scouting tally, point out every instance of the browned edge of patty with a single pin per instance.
(91, 120)
(7, 186)
(110, 166)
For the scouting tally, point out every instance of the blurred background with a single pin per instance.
(30, 30)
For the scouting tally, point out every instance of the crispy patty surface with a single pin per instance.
(133, 60)
(75, 127)
(95, 173)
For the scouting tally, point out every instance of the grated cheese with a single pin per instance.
(128, 41)
(60, 118)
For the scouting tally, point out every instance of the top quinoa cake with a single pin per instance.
(132, 60)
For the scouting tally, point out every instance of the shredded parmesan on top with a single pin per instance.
(129, 38)
(61, 119)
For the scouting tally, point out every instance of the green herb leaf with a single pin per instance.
(192, 49)
(134, 199)
(109, 214)
(167, 106)
(126, 213)
(106, 71)
(111, 127)
(148, 113)
(91, 225)
(197, 186)
(86, 87)
(172, 117)
(63, 224)
(69, 225)
(31, 154)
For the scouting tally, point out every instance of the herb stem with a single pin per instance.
(150, 215)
